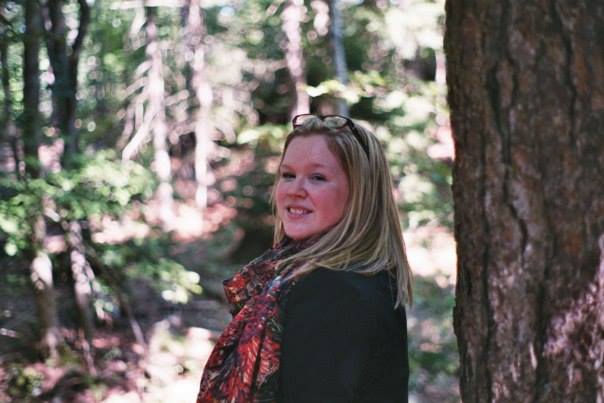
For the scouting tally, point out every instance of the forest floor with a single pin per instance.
(180, 336)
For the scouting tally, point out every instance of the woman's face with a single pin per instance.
(312, 192)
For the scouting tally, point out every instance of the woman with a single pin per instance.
(320, 316)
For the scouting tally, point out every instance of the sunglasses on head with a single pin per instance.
(334, 122)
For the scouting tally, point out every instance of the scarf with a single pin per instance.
(243, 365)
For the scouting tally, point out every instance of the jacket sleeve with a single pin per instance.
(327, 339)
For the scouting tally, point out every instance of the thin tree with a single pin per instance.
(146, 114)
(159, 127)
(202, 92)
(40, 267)
(339, 55)
(64, 60)
(294, 56)
(526, 90)
(10, 133)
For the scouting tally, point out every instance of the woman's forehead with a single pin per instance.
(307, 146)
(310, 151)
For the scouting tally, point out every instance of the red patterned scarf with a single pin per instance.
(244, 362)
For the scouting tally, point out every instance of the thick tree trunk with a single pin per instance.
(294, 56)
(339, 55)
(159, 127)
(526, 90)
(203, 94)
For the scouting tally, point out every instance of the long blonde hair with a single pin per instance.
(368, 239)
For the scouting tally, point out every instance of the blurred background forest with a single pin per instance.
(138, 145)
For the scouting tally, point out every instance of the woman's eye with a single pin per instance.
(317, 177)
(287, 175)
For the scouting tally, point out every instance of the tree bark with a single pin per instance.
(526, 90)
(203, 94)
(159, 127)
(294, 55)
(339, 55)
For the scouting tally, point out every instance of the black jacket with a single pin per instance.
(343, 341)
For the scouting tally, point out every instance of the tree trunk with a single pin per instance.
(294, 56)
(339, 55)
(40, 266)
(7, 107)
(526, 90)
(159, 128)
(42, 280)
(64, 60)
(84, 280)
(203, 94)
(31, 88)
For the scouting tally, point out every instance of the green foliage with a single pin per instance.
(264, 137)
(148, 259)
(175, 283)
(100, 185)
(432, 349)
(24, 383)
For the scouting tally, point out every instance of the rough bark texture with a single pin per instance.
(526, 90)
(294, 56)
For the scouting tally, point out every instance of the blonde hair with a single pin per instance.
(368, 239)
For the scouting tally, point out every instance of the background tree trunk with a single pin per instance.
(526, 90)
(64, 60)
(41, 275)
(84, 281)
(10, 129)
(159, 127)
(202, 92)
(339, 57)
(40, 267)
(294, 56)
(31, 88)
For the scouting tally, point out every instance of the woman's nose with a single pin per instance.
(298, 188)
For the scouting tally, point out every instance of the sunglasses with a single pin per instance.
(332, 122)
